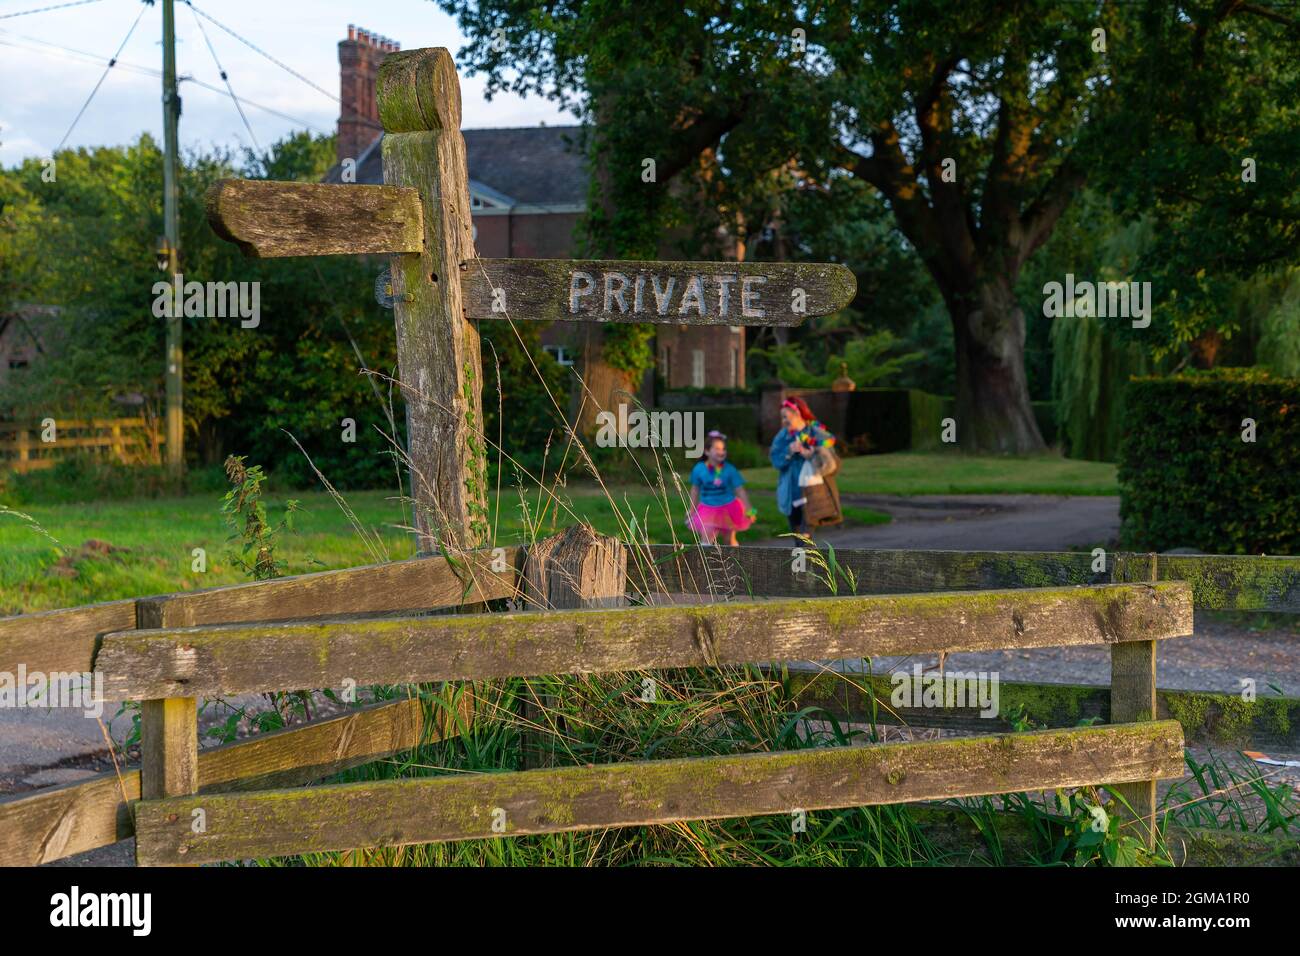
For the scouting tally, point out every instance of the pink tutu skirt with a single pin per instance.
(728, 517)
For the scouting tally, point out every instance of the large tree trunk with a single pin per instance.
(993, 411)
(1205, 348)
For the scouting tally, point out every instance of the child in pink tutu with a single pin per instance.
(721, 505)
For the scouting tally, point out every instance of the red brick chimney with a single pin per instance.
(359, 58)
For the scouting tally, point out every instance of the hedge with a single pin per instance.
(1189, 479)
(734, 421)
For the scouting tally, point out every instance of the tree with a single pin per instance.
(1208, 154)
(965, 121)
(976, 121)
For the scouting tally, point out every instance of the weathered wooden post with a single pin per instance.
(437, 346)
(169, 733)
(576, 568)
(24, 454)
(1133, 699)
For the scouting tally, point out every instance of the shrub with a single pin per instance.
(85, 477)
(1189, 479)
(737, 422)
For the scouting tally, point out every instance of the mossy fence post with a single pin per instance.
(576, 568)
(1132, 699)
(169, 732)
(438, 355)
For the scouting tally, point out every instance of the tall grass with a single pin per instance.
(583, 719)
(527, 723)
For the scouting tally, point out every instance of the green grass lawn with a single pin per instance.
(153, 539)
(951, 473)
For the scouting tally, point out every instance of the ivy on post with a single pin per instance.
(437, 346)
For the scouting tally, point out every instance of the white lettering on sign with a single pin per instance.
(697, 294)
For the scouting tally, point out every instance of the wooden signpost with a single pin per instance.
(421, 218)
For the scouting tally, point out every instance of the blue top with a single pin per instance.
(788, 465)
(717, 488)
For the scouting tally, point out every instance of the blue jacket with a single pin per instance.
(789, 465)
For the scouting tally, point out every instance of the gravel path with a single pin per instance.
(1216, 657)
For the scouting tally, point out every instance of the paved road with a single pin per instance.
(983, 523)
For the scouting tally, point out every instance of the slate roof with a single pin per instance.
(531, 164)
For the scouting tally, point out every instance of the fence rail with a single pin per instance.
(312, 630)
(437, 809)
(61, 821)
(251, 658)
(127, 440)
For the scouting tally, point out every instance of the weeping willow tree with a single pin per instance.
(1090, 367)
(1092, 358)
(1271, 305)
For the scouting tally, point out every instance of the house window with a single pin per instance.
(666, 363)
(735, 368)
(560, 353)
(697, 368)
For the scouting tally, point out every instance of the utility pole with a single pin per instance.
(171, 233)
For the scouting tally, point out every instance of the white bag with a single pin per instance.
(808, 474)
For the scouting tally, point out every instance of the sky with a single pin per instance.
(42, 89)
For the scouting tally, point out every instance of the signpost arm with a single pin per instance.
(437, 347)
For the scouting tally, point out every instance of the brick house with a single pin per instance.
(528, 190)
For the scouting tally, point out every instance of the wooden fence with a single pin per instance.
(372, 625)
(131, 441)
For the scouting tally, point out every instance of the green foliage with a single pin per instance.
(1087, 361)
(1205, 90)
(864, 359)
(525, 392)
(1247, 798)
(1274, 304)
(629, 347)
(1187, 477)
(1092, 370)
(603, 719)
(246, 516)
(298, 373)
(738, 422)
(1091, 836)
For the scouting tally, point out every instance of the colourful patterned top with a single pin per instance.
(788, 465)
(717, 485)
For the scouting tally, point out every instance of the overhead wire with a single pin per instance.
(97, 59)
(57, 6)
(224, 77)
(257, 49)
(103, 76)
